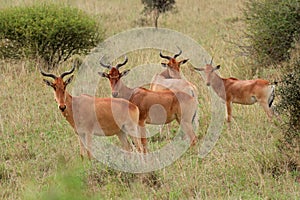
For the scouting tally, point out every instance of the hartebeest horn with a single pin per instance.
(165, 57)
(68, 72)
(178, 54)
(47, 74)
(211, 60)
(105, 65)
(121, 64)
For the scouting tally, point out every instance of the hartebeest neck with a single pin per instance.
(166, 74)
(124, 91)
(218, 85)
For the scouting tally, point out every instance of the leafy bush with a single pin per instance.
(50, 32)
(271, 29)
(289, 105)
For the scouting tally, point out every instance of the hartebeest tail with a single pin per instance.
(245, 92)
(95, 116)
(156, 107)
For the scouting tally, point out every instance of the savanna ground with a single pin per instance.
(39, 153)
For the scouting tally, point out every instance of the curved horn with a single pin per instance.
(165, 57)
(68, 72)
(121, 64)
(104, 65)
(211, 60)
(47, 74)
(178, 54)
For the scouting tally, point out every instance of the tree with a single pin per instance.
(157, 7)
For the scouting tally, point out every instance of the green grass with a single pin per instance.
(40, 159)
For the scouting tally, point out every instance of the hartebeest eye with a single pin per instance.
(49, 83)
(103, 74)
(69, 80)
(216, 68)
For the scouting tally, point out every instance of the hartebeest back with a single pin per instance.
(245, 92)
(90, 116)
(156, 107)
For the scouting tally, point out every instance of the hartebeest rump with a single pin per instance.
(156, 107)
(90, 116)
(246, 92)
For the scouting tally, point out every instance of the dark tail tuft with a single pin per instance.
(272, 96)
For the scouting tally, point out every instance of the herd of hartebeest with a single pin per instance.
(169, 98)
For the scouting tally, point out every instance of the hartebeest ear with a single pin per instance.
(49, 83)
(183, 61)
(124, 73)
(103, 74)
(199, 69)
(217, 67)
(164, 64)
(69, 80)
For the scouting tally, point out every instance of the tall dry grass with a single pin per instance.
(39, 156)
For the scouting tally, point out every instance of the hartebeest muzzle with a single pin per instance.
(114, 94)
(62, 107)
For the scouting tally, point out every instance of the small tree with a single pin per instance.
(157, 7)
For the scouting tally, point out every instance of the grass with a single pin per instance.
(39, 156)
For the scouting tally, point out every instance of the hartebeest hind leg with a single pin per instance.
(229, 113)
(142, 131)
(123, 138)
(187, 128)
(82, 147)
(134, 135)
(267, 109)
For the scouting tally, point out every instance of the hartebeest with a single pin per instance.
(171, 78)
(90, 116)
(246, 92)
(156, 107)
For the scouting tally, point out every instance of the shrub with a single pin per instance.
(271, 29)
(50, 32)
(289, 106)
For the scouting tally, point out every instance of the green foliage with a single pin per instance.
(156, 7)
(271, 28)
(290, 93)
(289, 105)
(50, 32)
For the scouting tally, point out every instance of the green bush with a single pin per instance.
(272, 26)
(289, 107)
(50, 32)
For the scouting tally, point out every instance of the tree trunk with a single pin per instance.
(156, 16)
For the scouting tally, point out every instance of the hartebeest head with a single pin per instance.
(173, 65)
(59, 86)
(209, 71)
(114, 76)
